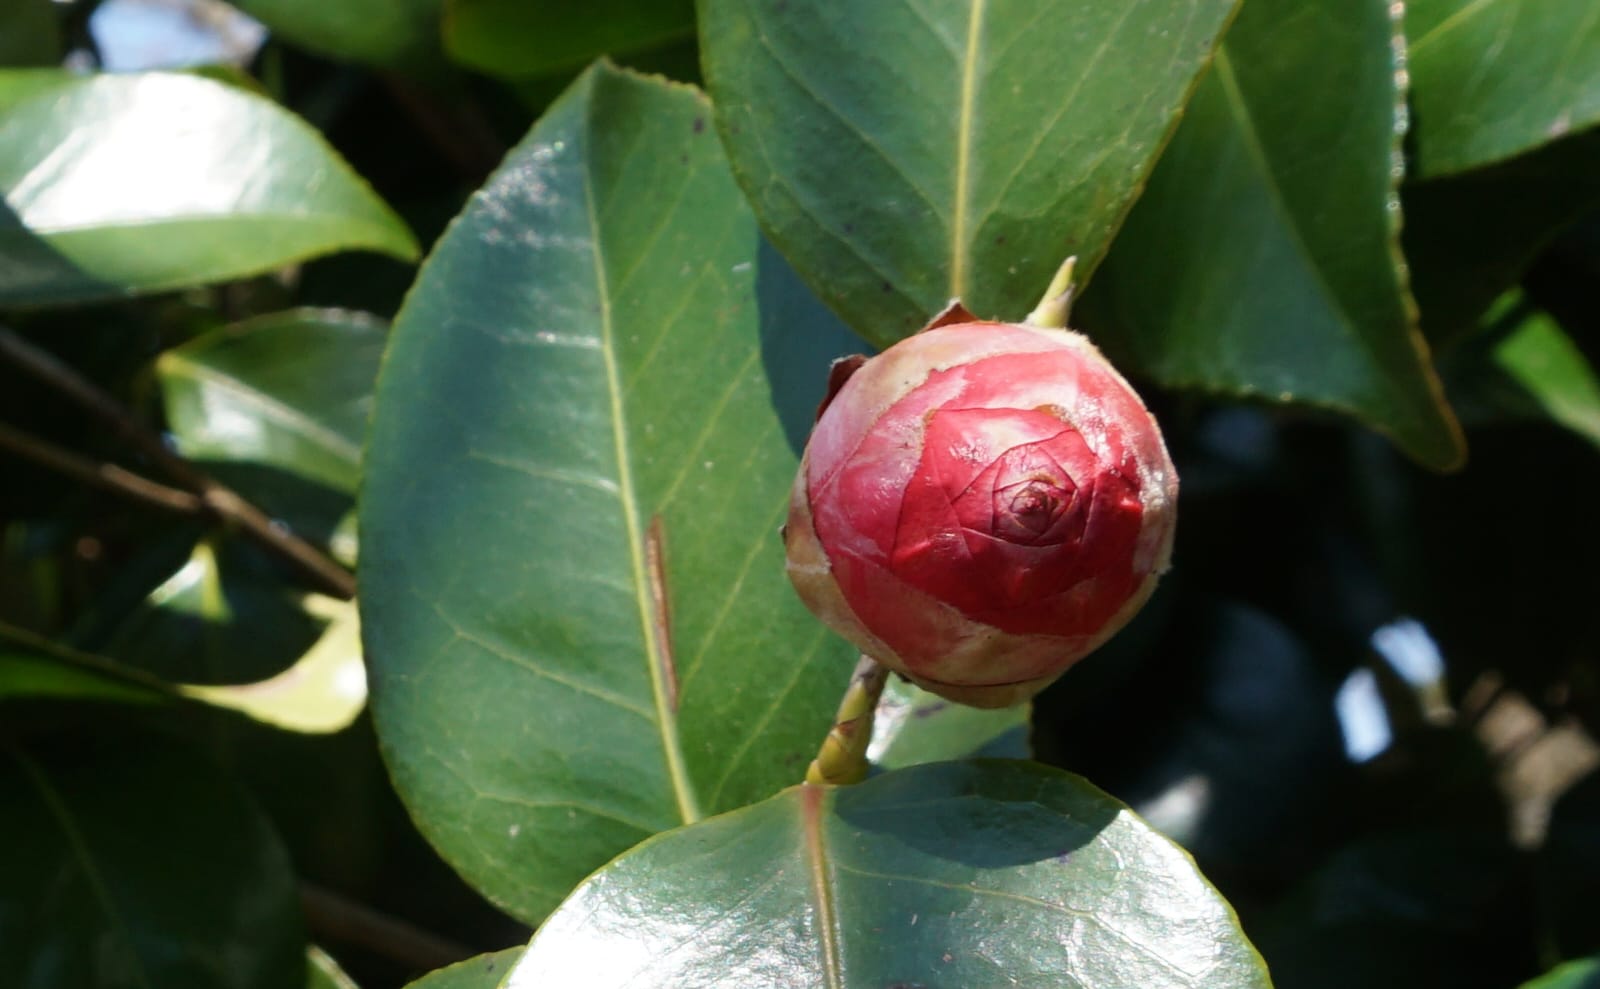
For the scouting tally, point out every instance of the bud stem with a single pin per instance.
(1051, 312)
(843, 757)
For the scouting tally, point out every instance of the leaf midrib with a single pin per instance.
(666, 717)
(813, 800)
(80, 849)
(963, 163)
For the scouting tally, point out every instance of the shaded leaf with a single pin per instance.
(517, 39)
(1532, 370)
(1262, 259)
(1470, 237)
(902, 152)
(569, 520)
(322, 692)
(482, 972)
(121, 184)
(34, 669)
(219, 617)
(131, 863)
(1494, 78)
(277, 407)
(954, 874)
(913, 726)
(387, 33)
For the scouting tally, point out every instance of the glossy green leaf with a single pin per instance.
(1470, 237)
(322, 972)
(482, 972)
(954, 874)
(904, 152)
(1262, 259)
(913, 726)
(121, 184)
(1494, 78)
(388, 33)
(1581, 974)
(575, 613)
(131, 863)
(277, 407)
(518, 39)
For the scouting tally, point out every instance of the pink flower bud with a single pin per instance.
(980, 506)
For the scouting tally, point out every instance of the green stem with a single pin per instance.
(843, 756)
(1051, 312)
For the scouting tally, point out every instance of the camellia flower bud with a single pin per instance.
(980, 506)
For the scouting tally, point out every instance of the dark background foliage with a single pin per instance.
(1366, 699)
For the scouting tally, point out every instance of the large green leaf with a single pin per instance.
(1263, 258)
(903, 152)
(389, 33)
(131, 863)
(518, 39)
(954, 874)
(575, 613)
(120, 184)
(277, 406)
(482, 972)
(1494, 78)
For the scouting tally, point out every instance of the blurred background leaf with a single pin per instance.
(130, 862)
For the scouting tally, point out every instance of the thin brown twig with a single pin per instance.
(332, 917)
(104, 475)
(224, 503)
